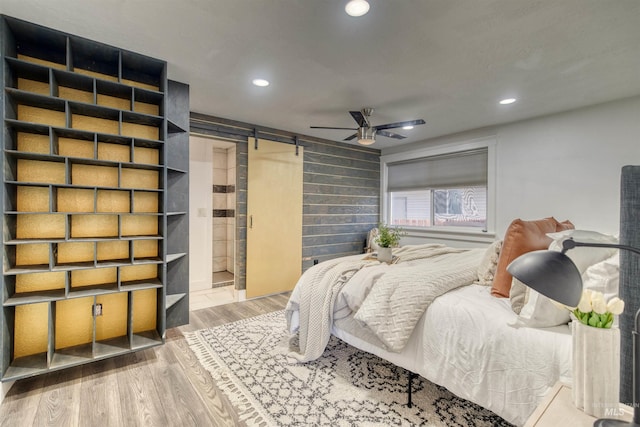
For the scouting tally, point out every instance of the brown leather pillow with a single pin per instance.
(522, 237)
(564, 225)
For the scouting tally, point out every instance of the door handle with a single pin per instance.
(250, 221)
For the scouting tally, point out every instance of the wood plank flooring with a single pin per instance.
(162, 386)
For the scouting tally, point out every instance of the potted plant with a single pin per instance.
(388, 237)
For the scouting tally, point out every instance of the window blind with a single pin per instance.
(461, 169)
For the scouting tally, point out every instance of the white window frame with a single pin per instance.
(462, 234)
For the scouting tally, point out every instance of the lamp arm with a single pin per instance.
(570, 244)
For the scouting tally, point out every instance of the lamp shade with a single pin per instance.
(551, 273)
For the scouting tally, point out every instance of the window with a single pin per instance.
(439, 191)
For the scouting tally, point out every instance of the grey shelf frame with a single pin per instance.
(125, 88)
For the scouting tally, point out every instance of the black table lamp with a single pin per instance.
(555, 276)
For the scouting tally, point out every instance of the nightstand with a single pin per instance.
(557, 409)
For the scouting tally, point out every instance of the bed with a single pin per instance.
(452, 332)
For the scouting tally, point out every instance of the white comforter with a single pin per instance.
(388, 302)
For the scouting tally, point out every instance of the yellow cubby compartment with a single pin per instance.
(114, 152)
(72, 147)
(145, 249)
(90, 175)
(114, 102)
(145, 108)
(31, 329)
(140, 178)
(38, 282)
(94, 277)
(144, 310)
(39, 61)
(112, 250)
(75, 200)
(41, 171)
(33, 143)
(33, 86)
(93, 226)
(75, 252)
(141, 85)
(94, 124)
(40, 226)
(95, 74)
(139, 225)
(73, 94)
(32, 254)
(146, 202)
(73, 322)
(140, 131)
(150, 156)
(114, 201)
(27, 113)
(112, 323)
(139, 273)
(32, 199)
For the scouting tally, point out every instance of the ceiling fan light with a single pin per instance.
(357, 7)
(366, 141)
(366, 136)
(407, 127)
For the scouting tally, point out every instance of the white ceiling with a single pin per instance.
(446, 61)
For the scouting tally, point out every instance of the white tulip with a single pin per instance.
(615, 306)
(598, 303)
(585, 302)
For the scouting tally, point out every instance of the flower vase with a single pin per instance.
(384, 255)
(596, 369)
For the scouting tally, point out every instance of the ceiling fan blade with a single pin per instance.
(349, 138)
(390, 134)
(400, 124)
(359, 118)
(326, 127)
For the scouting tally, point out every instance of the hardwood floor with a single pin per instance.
(162, 386)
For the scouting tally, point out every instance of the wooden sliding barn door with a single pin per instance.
(274, 217)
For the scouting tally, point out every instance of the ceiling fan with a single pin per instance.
(366, 133)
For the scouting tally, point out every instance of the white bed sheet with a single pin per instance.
(464, 343)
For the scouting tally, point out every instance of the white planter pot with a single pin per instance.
(596, 369)
(384, 255)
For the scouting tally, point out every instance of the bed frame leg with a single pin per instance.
(410, 380)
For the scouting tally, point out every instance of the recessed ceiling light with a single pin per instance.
(507, 101)
(407, 127)
(357, 7)
(260, 82)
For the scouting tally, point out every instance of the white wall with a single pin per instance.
(565, 165)
(200, 213)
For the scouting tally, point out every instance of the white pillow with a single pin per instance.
(372, 246)
(489, 263)
(603, 277)
(584, 257)
(518, 295)
(542, 312)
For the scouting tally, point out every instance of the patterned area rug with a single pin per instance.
(344, 387)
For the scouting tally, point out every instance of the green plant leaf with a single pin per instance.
(389, 237)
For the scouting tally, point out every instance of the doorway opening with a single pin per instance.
(212, 200)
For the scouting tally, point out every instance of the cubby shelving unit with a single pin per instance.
(95, 200)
